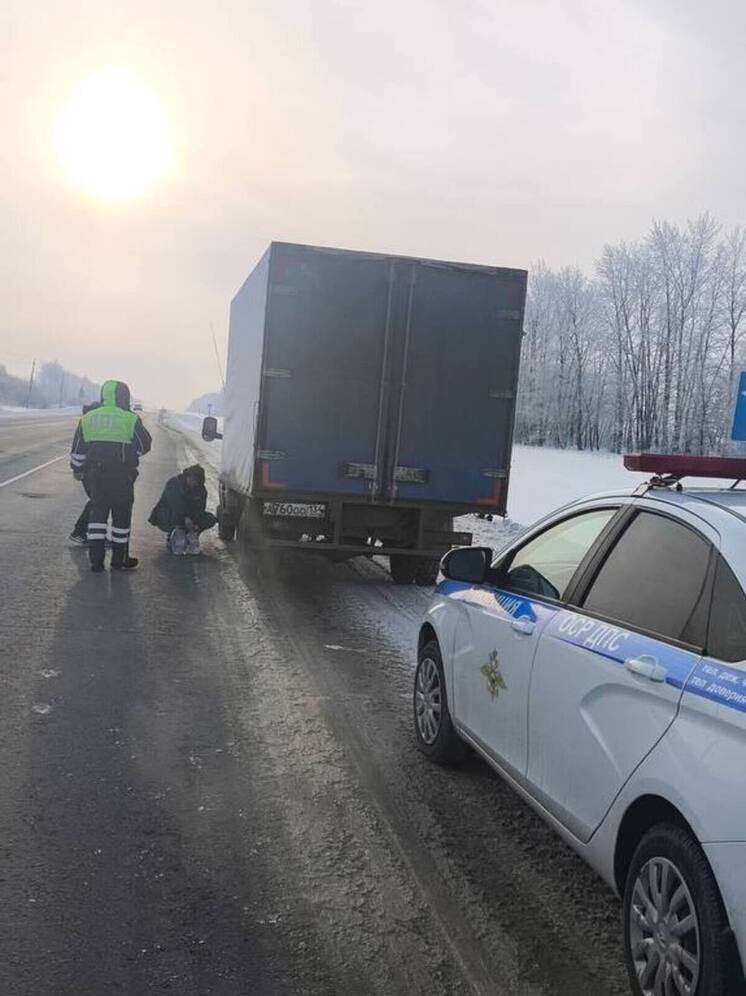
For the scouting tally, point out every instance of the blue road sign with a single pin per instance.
(739, 412)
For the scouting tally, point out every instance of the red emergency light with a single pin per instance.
(678, 465)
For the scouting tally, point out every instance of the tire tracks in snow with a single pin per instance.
(513, 888)
(497, 882)
(482, 975)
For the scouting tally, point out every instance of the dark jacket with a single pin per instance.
(177, 503)
(87, 454)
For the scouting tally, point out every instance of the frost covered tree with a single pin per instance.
(645, 353)
(61, 387)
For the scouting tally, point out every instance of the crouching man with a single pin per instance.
(181, 512)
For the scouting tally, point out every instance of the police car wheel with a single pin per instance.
(436, 736)
(676, 935)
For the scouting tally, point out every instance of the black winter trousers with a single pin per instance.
(112, 494)
(81, 526)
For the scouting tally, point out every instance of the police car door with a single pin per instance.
(497, 635)
(608, 673)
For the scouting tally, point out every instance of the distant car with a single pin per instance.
(599, 665)
(137, 407)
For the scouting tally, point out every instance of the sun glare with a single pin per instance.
(112, 136)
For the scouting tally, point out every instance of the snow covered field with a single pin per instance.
(543, 479)
(13, 411)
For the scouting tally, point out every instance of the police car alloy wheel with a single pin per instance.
(676, 934)
(664, 930)
(428, 700)
(434, 730)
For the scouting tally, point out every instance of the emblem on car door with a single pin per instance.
(493, 674)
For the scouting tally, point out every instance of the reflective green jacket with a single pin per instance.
(108, 423)
(110, 436)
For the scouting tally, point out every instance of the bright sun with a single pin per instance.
(112, 136)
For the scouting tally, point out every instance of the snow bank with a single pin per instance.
(190, 423)
(14, 411)
(543, 479)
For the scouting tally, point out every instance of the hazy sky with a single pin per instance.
(480, 130)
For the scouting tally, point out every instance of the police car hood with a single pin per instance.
(115, 392)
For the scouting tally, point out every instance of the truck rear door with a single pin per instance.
(461, 355)
(324, 350)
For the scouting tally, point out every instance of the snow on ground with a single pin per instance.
(191, 421)
(543, 479)
(14, 411)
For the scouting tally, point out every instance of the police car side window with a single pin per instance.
(727, 636)
(656, 578)
(546, 564)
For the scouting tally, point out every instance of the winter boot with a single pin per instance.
(120, 558)
(128, 564)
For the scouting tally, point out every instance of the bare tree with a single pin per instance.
(646, 354)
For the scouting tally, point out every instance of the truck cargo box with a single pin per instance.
(370, 397)
(384, 377)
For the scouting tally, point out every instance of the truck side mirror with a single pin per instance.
(468, 563)
(210, 429)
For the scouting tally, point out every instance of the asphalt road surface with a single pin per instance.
(27, 442)
(209, 783)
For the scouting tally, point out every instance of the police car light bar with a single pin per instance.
(674, 466)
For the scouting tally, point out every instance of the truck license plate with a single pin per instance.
(294, 509)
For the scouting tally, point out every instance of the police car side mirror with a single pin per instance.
(467, 563)
(210, 429)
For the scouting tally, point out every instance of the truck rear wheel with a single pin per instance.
(403, 568)
(226, 525)
(251, 525)
(426, 573)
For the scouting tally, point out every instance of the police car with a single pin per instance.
(599, 665)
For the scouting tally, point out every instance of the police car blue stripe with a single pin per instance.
(451, 587)
(515, 605)
(617, 644)
(613, 643)
(684, 670)
(719, 683)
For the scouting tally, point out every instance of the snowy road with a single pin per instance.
(210, 786)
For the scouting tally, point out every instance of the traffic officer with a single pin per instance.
(107, 447)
